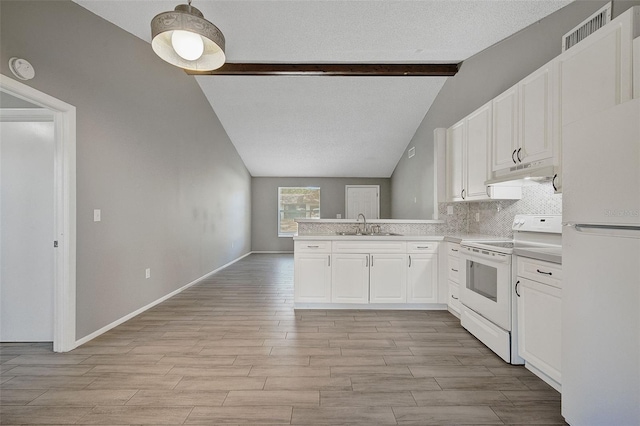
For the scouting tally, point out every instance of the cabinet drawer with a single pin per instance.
(312, 246)
(540, 271)
(454, 298)
(453, 249)
(369, 246)
(422, 247)
(454, 269)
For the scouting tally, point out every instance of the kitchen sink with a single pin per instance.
(369, 234)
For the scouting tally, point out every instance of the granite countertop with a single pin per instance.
(459, 238)
(547, 254)
(334, 236)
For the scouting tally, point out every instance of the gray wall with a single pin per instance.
(264, 206)
(481, 78)
(151, 153)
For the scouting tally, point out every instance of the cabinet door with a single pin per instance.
(535, 126)
(596, 74)
(505, 130)
(422, 278)
(539, 326)
(455, 167)
(350, 278)
(312, 278)
(477, 146)
(388, 278)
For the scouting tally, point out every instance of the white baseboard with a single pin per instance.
(152, 304)
(272, 252)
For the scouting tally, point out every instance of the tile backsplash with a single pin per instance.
(495, 216)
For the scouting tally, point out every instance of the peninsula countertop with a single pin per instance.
(454, 238)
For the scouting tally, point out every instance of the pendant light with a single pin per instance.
(185, 39)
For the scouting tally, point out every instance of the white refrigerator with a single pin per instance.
(601, 268)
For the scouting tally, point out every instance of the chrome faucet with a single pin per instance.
(365, 223)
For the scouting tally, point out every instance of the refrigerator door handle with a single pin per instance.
(628, 231)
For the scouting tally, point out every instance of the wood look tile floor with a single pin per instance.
(232, 350)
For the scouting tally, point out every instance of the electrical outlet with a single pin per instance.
(449, 209)
(147, 273)
(339, 216)
(415, 200)
(96, 215)
(477, 217)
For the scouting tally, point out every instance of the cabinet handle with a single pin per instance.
(409, 261)
(422, 247)
(488, 194)
(313, 246)
(454, 250)
(518, 155)
(367, 265)
(462, 193)
(513, 154)
(454, 270)
(542, 272)
(329, 259)
(453, 297)
(517, 283)
(553, 182)
(372, 261)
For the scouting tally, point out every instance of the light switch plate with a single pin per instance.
(96, 215)
(147, 273)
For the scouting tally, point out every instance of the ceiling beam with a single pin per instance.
(332, 70)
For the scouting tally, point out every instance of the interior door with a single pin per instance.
(27, 223)
(363, 199)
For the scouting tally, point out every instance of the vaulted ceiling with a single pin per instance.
(333, 126)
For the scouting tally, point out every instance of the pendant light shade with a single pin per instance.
(185, 39)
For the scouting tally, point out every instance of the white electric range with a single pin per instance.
(488, 277)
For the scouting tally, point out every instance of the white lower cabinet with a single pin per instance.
(366, 272)
(312, 272)
(312, 277)
(422, 278)
(539, 305)
(388, 278)
(453, 275)
(350, 278)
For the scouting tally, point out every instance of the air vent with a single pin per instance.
(412, 151)
(596, 21)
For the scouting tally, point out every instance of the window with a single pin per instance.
(296, 203)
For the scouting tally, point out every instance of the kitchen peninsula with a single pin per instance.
(387, 264)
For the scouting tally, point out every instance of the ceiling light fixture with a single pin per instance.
(185, 39)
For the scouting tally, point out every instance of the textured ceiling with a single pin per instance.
(333, 126)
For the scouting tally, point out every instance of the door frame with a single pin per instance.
(64, 118)
(346, 197)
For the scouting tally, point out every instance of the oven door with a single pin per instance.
(486, 284)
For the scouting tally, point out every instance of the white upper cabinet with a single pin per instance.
(535, 124)
(505, 130)
(597, 73)
(455, 161)
(523, 124)
(478, 141)
(467, 144)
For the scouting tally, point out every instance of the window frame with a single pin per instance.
(280, 211)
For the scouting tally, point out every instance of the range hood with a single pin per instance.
(521, 174)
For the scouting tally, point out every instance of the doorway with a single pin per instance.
(363, 199)
(26, 223)
(60, 117)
